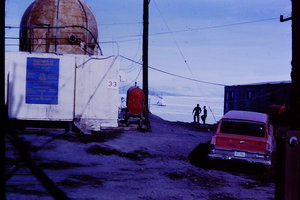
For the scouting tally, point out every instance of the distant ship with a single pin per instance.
(160, 101)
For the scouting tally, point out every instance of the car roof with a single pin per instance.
(247, 115)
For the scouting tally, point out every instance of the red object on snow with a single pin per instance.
(135, 100)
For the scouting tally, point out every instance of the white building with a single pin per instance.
(50, 87)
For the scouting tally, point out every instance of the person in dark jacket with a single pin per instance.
(196, 112)
(203, 117)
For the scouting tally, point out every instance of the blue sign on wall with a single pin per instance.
(42, 80)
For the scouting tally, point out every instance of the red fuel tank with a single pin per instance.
(135, 100)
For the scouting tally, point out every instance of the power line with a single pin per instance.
(175, 75)
(108, 24)
(175, 41)
(61, 27)
(124, 23)
(185, 30)
(204, 28)
(217, 26)
(102, 42)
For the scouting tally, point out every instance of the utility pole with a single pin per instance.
(3, 112)
(295, 74)
(288, 164)
(145, 51)
(145, 60)
(292, 149)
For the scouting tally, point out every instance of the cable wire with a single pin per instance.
(175, 75)
(174, 39)
(62, 27)
(217, 26)
(204, 28)
(186, 30)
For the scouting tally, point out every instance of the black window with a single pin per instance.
(230, 95)
(241, 127)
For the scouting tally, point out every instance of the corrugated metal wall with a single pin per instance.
(256, 97)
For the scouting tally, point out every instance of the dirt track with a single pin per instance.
(134, 165)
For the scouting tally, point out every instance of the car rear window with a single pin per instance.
(240, 127)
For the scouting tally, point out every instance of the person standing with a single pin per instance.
(196, 112)
(203, 117)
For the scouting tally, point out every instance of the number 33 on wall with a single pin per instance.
(112, 84)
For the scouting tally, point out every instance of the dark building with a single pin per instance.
(256, 97)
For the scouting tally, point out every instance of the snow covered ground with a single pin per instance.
(179, 108)
(129, 165)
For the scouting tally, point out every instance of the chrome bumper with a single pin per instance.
(248, 157)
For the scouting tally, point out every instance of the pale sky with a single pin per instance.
(219, 41)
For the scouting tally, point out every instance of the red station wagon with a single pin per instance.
(243, 135)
